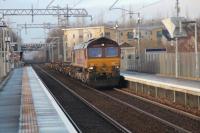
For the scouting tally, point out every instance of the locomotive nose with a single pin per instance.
(104, 68)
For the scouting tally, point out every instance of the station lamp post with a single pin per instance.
(138, 41)
(138, 57)
(117, 32)
(137, 36)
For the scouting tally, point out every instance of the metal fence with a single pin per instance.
(163, 63)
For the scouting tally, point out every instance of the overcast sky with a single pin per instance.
(164, 8)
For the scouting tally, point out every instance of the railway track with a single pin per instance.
(88, 119)
(133, 113)
(126, 91)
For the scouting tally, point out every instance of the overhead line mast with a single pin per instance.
(177, 8)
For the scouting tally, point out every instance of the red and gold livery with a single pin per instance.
(96, 62)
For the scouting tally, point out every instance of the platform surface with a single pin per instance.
(10, 102)
(188, 86)
(26, 106)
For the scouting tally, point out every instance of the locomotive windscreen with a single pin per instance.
(111, 52)
(95, 52)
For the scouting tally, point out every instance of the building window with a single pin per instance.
(89, 35)
(107, 34)
(130, 35)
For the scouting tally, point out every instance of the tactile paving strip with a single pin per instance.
(28, 120)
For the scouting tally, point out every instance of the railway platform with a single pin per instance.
(181, 91)
(26, 106)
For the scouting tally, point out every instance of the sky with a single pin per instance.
(162, 8)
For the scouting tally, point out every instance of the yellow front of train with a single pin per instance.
(104, 65)
(107, 67)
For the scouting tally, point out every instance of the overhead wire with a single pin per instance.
(77, 3)
(144, 6)
(51, 2)
(148, 5)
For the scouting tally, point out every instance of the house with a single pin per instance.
(73, 36)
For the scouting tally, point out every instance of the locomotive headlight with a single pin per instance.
(117, 67)
(91, 68)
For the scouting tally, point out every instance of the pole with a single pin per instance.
(49, 52)
(67, 16)
(177, 60)
(58, 14)
(58, 49)
(116, 30)
(52, 53)
(177, 8)
(4, 54)
(196, 52)
(138, 41)
(7, 56)
(117, 35)
(64, 49)
(19, 45)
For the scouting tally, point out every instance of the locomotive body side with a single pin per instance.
(79, 58)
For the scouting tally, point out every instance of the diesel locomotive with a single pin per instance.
(96, 62)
